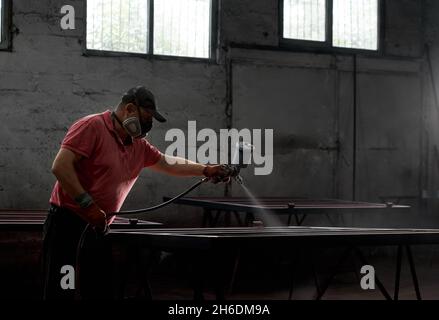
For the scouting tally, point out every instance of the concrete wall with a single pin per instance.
(46, 83)
(309, 100)
(430, 66)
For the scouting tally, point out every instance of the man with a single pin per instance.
(99, 161)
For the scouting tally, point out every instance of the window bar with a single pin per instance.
(94, 26)
(297, 19)
(120, 25)
(171, 28)
(194, 48)
(111, 25)
(358, 24)
(309, 17)
(178, 47)
(136, 39)
(194, 40)
(316, 13)
(293, 19)
(304, 20)
(311, 9)
(186, 44)
(167, 23)
(150, 34)
(100, 30)
(329, 22)
(352, 29)
(2, 17)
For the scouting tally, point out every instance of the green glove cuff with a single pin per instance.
(84, 200)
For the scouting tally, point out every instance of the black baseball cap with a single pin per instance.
(143, 98)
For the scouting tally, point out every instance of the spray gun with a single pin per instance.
(241, 159)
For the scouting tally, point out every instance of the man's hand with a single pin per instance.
(218, 173)
(96, 217)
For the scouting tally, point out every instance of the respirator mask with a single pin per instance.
(141, 98)
(137, 128)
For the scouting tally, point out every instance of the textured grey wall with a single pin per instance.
(46, 84)
(430, 128)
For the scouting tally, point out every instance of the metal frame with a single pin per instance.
(353, 252)
(217, 242)
(6, 34)
(150, 49)
(214, 208)
(327, 45)
(33, 220)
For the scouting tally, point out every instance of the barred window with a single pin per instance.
(305, 19)
(117, 25)
(181, 27)
(354, 22)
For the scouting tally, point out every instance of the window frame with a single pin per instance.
(327, 46)
(150, 48)
(6, 30)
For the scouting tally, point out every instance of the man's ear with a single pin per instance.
(130, 108)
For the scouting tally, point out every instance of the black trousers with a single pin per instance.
(92, 263)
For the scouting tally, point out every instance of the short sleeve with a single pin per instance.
(81, 138)
(151, 154)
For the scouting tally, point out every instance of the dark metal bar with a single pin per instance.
(248, 218)
(151, 28)
(198, 275)
(297, 261)
(227, 218)
(354, 130)
(315, 275)
(143, 271)
(214, 29)
(329, 219)
(413, 272)
(301, 221)
(282, 205)
(238, 219)
(235, 270)
(216, 218)
(206, 213)
(356, 268)
(326, 285)
(398, 273)
(297, 219)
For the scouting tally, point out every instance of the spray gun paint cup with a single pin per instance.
(242, 157)
(242, 154)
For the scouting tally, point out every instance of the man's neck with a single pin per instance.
(119, 129)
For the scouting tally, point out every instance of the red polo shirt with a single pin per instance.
(109, 168)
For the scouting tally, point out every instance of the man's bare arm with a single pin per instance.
(64, 170)
(178, 167)
(185, 168)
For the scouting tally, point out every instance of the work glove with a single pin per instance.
(218, 173)
(96, 217)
